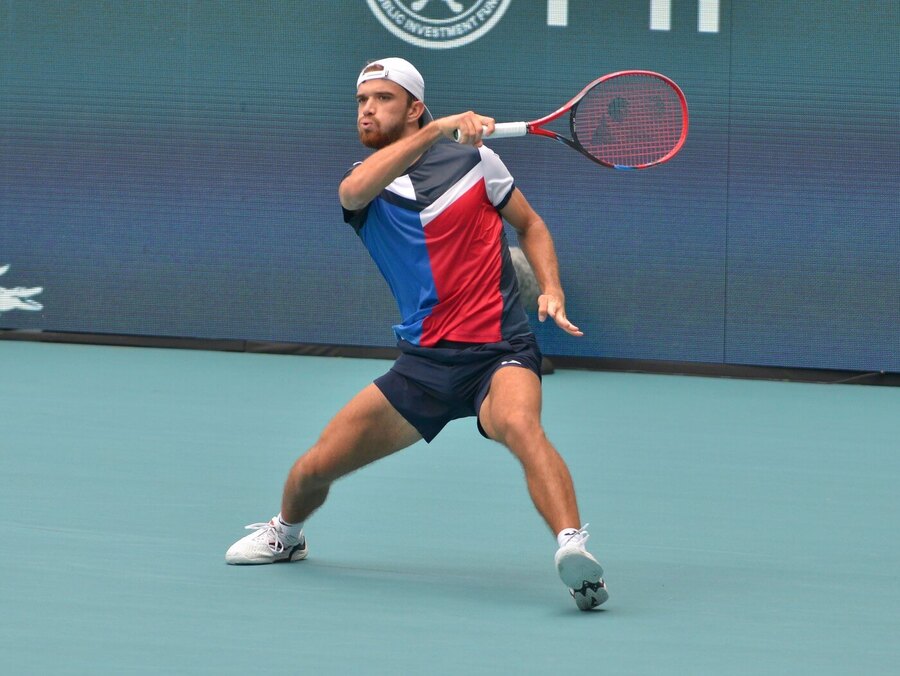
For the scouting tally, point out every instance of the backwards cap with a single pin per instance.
(400, 71)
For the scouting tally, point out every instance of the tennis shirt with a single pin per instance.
(437, 237)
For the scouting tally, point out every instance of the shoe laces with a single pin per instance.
(579, 537)
(271, 533)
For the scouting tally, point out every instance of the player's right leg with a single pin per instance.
(367, 429)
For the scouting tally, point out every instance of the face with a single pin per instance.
(383, 112)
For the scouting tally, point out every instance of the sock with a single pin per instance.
(290, 529)
(565, 535)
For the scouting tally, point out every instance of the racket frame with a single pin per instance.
(536, 126)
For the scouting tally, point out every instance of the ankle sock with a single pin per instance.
(291, 529)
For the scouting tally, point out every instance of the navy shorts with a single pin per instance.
(434, 385)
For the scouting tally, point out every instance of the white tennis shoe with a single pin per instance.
(267, 544)
(581, 572)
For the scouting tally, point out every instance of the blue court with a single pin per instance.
(746, 527)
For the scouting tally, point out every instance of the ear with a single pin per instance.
(415, 111)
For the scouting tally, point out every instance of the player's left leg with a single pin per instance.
(511, 414)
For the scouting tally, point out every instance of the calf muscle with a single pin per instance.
(367, 429)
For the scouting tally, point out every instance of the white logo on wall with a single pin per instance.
(439, 24)
(19, 298)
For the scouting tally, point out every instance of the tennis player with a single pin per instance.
(430, 212)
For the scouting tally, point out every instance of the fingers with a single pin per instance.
(468, 128)
(550, 306)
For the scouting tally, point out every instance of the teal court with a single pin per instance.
(746, 527)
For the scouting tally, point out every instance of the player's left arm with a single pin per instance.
(537, 245)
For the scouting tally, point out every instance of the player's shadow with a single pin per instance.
(476, 585)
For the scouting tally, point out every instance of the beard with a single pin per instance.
(380, 137)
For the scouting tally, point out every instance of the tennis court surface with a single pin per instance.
(746, 527)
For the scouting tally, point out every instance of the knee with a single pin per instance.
(518, 429)
(309, 474)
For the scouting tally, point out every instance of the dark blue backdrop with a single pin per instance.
(170, 168)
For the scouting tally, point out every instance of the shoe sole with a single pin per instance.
(584, 578)
(297, 553)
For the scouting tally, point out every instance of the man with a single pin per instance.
(429, 212)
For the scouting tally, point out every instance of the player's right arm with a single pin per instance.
(379, 170)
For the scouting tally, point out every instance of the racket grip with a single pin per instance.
(503, 130)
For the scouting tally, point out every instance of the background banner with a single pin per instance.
(170, 168)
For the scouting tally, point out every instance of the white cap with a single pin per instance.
(400, 71)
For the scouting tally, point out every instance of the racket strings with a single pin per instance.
(633, 120)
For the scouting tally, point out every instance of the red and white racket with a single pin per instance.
(632, 119)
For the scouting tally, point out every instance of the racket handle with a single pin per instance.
(503, 130)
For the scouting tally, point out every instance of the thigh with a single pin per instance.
(366, 429)
(512, 405)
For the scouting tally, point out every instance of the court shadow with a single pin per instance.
(457, 585)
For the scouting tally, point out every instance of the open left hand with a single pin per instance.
(553, 306)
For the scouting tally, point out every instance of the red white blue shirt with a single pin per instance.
(437, 237)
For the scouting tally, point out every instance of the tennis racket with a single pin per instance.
(632, 119)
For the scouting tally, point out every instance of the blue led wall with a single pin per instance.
(170, 168)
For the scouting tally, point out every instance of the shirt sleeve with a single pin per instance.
(497, 179)
(355, 217)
